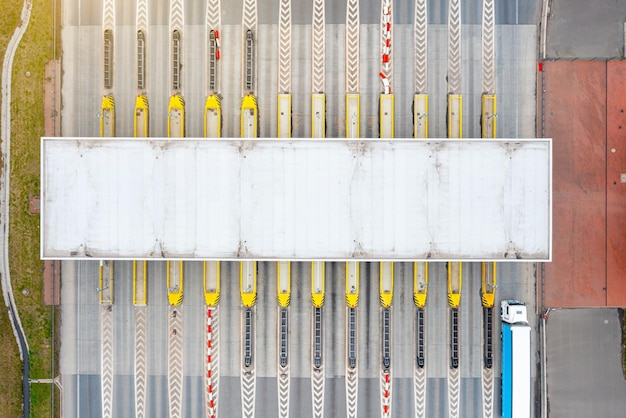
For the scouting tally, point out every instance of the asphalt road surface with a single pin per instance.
(81, 339)
(584, 363)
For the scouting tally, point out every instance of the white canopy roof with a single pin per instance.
(297, 199)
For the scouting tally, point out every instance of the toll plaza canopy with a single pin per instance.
(297, 199)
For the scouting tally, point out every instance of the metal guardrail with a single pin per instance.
(420, 356)
(317, 338)
(284, 337)
(488, 337)
(249, 81)
(247, 344)
(454, 338)
(108, 59)
(141, 60)
(212, 61)
(386, 339)
(176, 60)
(352, 343)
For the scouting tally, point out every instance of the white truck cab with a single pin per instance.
(513, 312)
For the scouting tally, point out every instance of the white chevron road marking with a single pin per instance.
(108, 15)
(454, 47)
(352, 390)
(142, 15)
(419, 382)
(175, 361)
(488, 48)
(487, 389)
(284, 47)
(141, 361)
(454, 392)
(177, 15)
(352, 47)
(420, 41)
(319, 47)
(106, 321)
(317, 386)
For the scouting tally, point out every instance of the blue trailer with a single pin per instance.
(516, 365)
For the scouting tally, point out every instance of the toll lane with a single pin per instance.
(83, 338)
(83, 103)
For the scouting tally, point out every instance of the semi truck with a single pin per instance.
(516, 364)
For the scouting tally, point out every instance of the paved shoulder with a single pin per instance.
(584, 363)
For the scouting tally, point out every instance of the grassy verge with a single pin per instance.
(11, 382)
(35, 49)
(10, 364)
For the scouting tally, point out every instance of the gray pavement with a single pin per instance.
(584, 363)
(583, 29)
